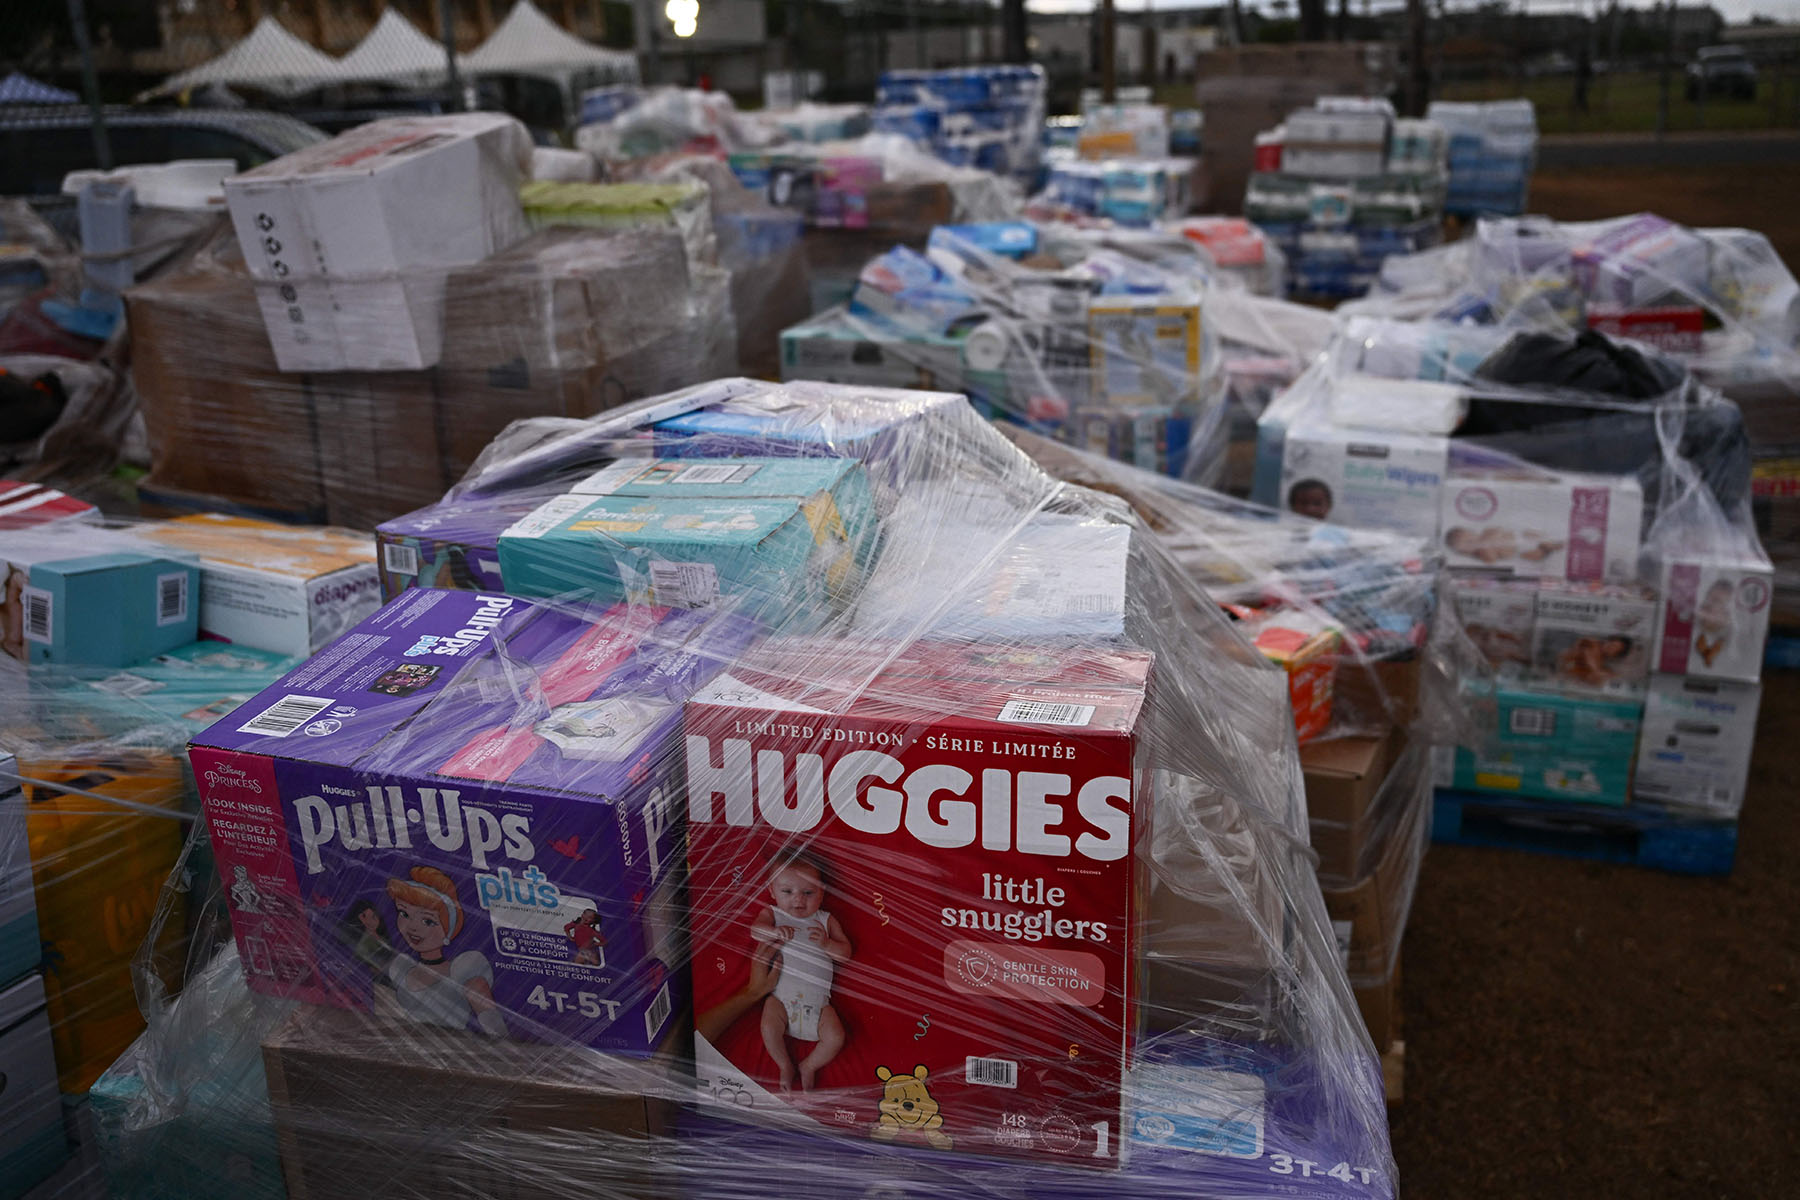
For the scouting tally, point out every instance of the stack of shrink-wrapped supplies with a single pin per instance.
(1493, 150)
(1342, 186)
(990, 117)
(1121, 169)
(1593, 505)
(1135, 344)
(768, 776)
(121, 642)
(384, 303)
(1350, 617)
(1719, 301)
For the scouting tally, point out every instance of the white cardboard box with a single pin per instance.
(1694, 748)
(397, 201)
(1369, 480)
(1714, 619)
(1580, 527)
(1499, 616)
(275, 587)
(1593, 637)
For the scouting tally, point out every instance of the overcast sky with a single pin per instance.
(1733, 10)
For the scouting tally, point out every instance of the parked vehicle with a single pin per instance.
(1721, 71)
(41, 143)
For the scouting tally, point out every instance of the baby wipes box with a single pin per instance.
(1579, 527)
(1694, 756)
(937, 841)
(1714, 618)
(466, 812)
(275, 587)
(1374, 480)
(784, 539)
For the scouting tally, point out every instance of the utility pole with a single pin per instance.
(1418, 71)
(1012, 32)
(1109, 54)
(447, 30)
(90, 83)
(1662, 83)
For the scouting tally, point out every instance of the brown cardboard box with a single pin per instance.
(1370, 915)
(540, 330)
(1211, 944)
(378, 444)
(1343, 776)
(369, 1107)
(222, 421)
(1380, 1006)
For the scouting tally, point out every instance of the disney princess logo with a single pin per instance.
(226, 775)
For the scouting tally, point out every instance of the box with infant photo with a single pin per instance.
(934, 850)
(466, 813)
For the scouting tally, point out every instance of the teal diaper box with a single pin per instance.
(786, 540)
(1554, 746)
(100, 610)
(33, 1143)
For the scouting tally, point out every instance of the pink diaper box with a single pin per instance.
(1714, 619)
(1579, 527)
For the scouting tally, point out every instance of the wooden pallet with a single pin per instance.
(1638, 836)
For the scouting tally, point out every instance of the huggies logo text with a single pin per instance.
(386, 821)
(939, 805)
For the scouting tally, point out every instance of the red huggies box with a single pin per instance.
(934, 851)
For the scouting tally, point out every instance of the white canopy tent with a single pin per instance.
(268, 58)
(395, 50)
(529, 43)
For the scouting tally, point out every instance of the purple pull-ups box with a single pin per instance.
(467, 812)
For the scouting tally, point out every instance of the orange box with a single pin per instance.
(1309, 656)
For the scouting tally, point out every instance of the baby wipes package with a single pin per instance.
(465, 813)
(938, 844)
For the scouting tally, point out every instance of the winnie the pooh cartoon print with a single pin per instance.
(907, 1107)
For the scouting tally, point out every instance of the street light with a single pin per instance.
(684, 15)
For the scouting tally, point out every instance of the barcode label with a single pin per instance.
(1533, 722)
(172, 598)
(548, 516)
(39, 615)
(992, 1072)
(718, 473)
(400, 559)
(126, 684)
(611, 478)
(1097, 602)
(657, 1013)
(1041, 712)
(683, 584)
(286, 715)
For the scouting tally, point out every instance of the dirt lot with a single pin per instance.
(1579, 1029)
(1752, 195)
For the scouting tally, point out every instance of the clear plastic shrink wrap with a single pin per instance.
(821, 738)
(1593, 503)
(1719, 300)
(1130, 343)
(356, 380)
(1352, 616)
(111, 658)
